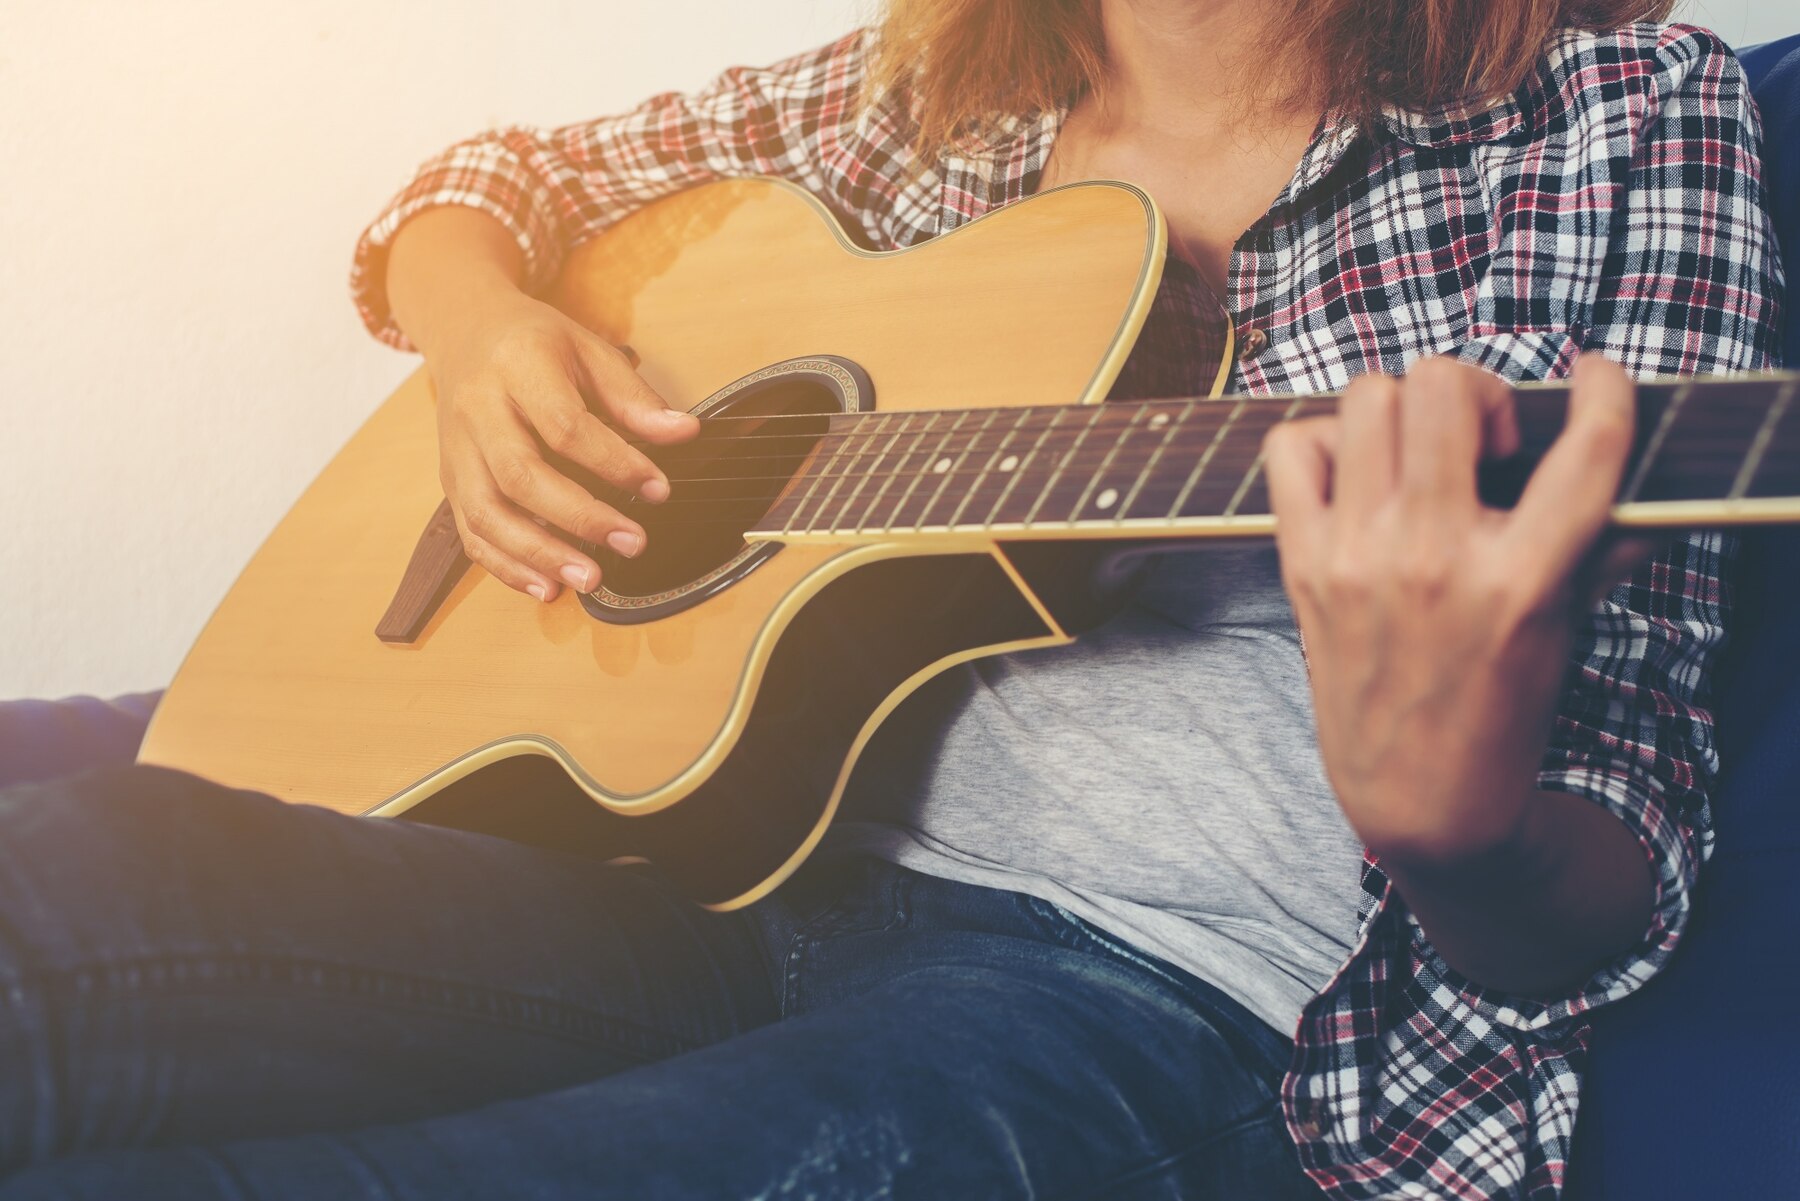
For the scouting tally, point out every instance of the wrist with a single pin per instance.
(458, 316)
(450, 272)
(1452, 827)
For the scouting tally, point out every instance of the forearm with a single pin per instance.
(1538, 913)
(444, 265)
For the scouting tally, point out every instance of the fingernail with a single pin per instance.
(655, 491)
(539, 591)
(625, 542)
(676, 417)
(576, 575)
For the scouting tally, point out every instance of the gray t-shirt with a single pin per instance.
(1159, 779)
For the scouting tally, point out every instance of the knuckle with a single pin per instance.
(1302, 578)
(1424, 571)
(1343, 574)
(562, 429)
(1609, 436)
(1374, 389)
(1441, 373)
(1279, 442)
(611, 358)
(478, 520)
(513, 473)
(622, 465)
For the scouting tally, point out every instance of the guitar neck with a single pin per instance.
(1720, 451)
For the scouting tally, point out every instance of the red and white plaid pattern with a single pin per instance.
(1613, 204)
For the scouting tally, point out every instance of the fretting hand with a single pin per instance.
(1438, 630)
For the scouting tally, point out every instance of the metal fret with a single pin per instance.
(862, 477)
(992, 459)
(1206, 457)
(1050, 484)
(1237, 497)
(818, 478)
(936, 451)
(1149, 469)
(1019, 471)
(1760, 447)
(890, 477)
(858, 439)
(949, 473)
(1105, 464)
(1653, 447)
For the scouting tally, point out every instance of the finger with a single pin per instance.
(559, 417)
(1445, 407)
(626, 400)
(484, 513)
(508, 570)
(1298, 464)
(524, 478)
(1568, 499)
(1368, 445)
(1611, 563)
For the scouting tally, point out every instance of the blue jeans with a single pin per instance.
(210, 994)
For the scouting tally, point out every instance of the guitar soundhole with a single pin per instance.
(754, 436)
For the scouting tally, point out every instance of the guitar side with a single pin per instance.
(715, 740)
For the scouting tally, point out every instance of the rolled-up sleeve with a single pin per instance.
(1690, 286)
(556, 188)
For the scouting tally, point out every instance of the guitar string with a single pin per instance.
(1226, 471)
(835, 444)
(1227, 482)
(1744, 393)
(1200, 422)
(1690, 454)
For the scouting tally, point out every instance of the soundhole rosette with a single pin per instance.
(720, 486)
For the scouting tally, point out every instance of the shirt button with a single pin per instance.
(1310, 1128)
(1252, 343)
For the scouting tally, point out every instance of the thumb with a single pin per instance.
(624, 400)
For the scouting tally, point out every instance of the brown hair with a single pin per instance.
(968, 61)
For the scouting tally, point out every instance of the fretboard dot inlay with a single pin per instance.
(1107, 499)
(1009, 462)
(1158, 421)
(941, 466)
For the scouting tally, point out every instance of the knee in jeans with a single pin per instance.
(70, 841)
(848, 1155)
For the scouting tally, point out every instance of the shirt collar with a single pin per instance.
(985, 173)
(1456, 125)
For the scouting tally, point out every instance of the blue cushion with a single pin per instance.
(40, 740)
(1693, 1089)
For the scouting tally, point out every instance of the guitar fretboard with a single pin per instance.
(1169, 463)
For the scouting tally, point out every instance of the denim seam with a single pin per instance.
(1269, 1111)
(1080, 935)
(170, 974)
(838, 918)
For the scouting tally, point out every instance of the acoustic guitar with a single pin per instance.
(903, 465)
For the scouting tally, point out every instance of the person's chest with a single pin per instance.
(1211, 186)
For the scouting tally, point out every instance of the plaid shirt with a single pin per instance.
(1613, 204)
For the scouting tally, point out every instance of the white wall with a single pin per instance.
(1744, 22)
(182, 183)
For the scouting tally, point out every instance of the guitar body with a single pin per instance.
(714, 734)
